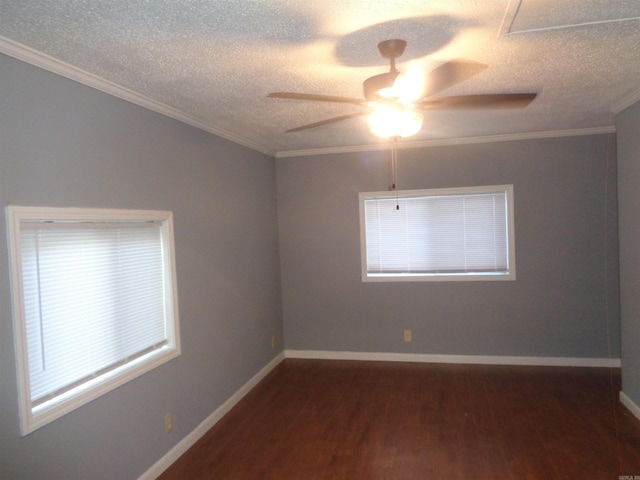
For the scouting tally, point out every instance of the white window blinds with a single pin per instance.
(95, 303)
(94, 300)
(432, 233)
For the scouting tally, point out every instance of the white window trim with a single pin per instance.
(34, 418)
(438, 277)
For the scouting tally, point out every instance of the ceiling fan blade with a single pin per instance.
(326, 122)
(373, 85)
(498, 100)
(450, 74)
(316, 98)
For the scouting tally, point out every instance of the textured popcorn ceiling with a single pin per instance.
(211, 63)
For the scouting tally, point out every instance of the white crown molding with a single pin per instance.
(509, 137)
(51, 64)
(457, 359)
(625, 102)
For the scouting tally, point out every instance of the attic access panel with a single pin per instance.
(535, 15)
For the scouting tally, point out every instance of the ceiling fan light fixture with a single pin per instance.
(393, 122)
(392, 96)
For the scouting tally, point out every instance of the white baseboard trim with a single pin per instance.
(630, 404)
(183, 445)
(462, 359)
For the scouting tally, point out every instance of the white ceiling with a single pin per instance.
(211, 63)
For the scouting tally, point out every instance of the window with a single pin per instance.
(444, 234)
(95, 303)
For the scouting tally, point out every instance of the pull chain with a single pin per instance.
(394, 169)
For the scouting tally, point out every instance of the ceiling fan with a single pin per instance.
(382, 96)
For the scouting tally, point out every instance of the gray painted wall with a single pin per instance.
(628, 130)
(64, 144)
(564, 302)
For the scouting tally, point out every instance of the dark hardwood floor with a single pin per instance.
(314, 419)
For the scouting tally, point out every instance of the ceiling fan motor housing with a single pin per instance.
(392, 48)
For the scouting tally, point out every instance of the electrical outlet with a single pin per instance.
(168, 422)
(408, 336)
(273, 341)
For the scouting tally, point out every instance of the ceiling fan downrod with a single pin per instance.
(392, 49)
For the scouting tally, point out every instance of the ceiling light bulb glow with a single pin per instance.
(393, 122)
(386, 92)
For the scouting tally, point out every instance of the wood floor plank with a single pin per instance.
(341, 420)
